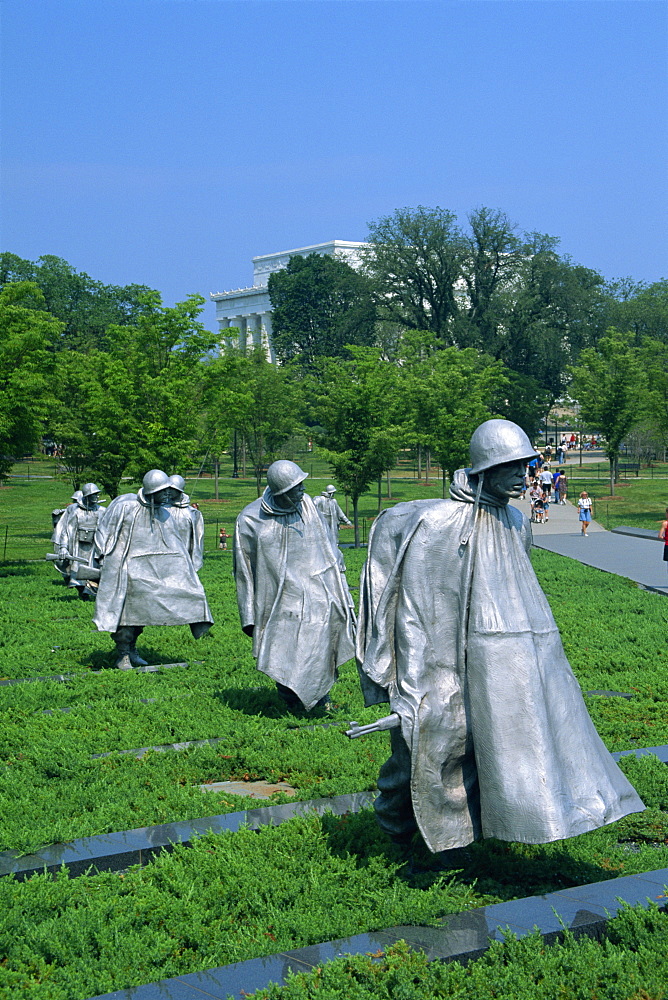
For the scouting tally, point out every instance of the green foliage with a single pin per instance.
(506, 294)
(415, 259)
(609, 384)
(26, 335)
(444, 395)
(638, 307)
(84, 306)
(629, 963)
(354, 402)
(134, 406)
(319, 305)
(227, 898)
(256, 398)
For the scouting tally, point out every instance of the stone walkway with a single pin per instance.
(637, 559)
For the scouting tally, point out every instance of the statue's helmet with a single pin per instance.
(77, 495)
(496, 442)
(283, 475)
(154, 481)
(178, 483)
(89, 488)
(331, 489)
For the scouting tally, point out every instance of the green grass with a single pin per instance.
(237, 896)
(629, 963)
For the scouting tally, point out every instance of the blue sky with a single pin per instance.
(167, 143)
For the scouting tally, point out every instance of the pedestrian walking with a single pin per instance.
(562, 486)
(584, 505)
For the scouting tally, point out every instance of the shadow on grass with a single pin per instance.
(265, 702)
(505, 870)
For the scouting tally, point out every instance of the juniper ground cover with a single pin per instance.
(236, 896)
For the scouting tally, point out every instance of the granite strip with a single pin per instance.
(116, 851)
(459, 936)
(661, 752)
(610, 694)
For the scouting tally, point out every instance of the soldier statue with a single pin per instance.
(149, 551)
(293, 598)
(492, 735)
(73, 535)
(331, 513)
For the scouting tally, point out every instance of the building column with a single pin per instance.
(266, 328)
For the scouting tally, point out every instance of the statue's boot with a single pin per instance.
(125, 638)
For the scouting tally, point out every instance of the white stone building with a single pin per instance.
(249, 309)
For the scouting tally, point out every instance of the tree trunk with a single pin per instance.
(243, 457)
(419, 462)
(216, 472)
(389, 486)
(613, 463)
(443, 470)
(356, 523)
(380, 493)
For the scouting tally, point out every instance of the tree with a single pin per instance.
(446, 394)
(609, 384)
(85, 306)
(96, 417)
(353, 402)
(246, 393)
(319, 304)
(136, 405)
(27, 334)
(639, 307)
(415, 259)
(506, 293)
(653, 356)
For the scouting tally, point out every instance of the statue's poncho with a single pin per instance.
(150, 556)
(290, 588)
(75, 531)
(456, 633)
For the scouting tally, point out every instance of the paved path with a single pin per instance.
(638, 559)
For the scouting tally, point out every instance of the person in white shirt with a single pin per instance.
(584, 506)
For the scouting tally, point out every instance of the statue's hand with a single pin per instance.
(248, 630)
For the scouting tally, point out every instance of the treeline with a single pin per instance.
(440, 327)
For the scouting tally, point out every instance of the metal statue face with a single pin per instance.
(505, 481)
(294, 495)
(91, 501)
(163, 498)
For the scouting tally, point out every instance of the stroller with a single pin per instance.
(539, 512)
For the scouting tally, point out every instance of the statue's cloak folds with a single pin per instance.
(291, 589)
(150, 556)
(456, 633)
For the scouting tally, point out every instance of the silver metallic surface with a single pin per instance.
(497, 441)
(283, 475)
(150, 554)
(332, 515)
(456, 633)
(74, 534)
(155, 480)
(89, 489)
(292, 594)
(379, 726)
